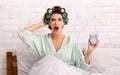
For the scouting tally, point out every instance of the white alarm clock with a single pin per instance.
(93, 38)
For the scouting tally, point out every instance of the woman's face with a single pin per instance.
(56, 23)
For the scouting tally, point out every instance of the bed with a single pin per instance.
(104, 60)
(12, 68)
(11, 64)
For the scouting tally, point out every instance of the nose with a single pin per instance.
(56, 22)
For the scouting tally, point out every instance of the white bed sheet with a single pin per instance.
(51, 65)
(103, 60)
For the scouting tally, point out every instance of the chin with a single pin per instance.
(55, 32)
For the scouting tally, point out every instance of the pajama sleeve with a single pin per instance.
(29, 39)
(80, 59)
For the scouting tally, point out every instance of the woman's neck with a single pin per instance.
(57, 36)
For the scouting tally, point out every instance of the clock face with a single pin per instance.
(93, 40)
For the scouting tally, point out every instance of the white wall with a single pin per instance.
(85, 16)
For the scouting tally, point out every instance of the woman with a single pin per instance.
(56, 43)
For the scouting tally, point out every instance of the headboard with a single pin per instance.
(11, 64)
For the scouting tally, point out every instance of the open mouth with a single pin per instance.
(56, 28)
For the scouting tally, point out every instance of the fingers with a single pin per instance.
(92, 46)
(89, 43)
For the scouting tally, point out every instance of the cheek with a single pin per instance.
(51, 23)
(62, 24)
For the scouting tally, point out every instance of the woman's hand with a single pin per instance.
(91, 47)
(36, 26)
(42, 23)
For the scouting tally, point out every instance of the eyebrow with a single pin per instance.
(54, 18)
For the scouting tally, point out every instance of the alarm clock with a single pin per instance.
(93, 38)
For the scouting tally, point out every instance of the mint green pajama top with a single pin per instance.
(69, 52)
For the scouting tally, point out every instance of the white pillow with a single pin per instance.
(106, 60)
(26, 58)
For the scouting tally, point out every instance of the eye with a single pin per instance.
(52, 19)
(59, 19)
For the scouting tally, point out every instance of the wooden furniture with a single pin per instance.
(11, 64)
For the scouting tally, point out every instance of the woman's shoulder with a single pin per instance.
(70, 40)
(74, 42)
(43, 36)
